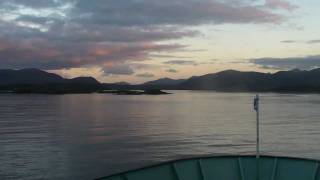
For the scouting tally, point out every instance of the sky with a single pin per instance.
(141, 40)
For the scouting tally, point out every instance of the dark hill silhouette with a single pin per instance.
(121, 83)
(83, 80)
(38, 81)
(231, 80)
(38, 77)
(28, 76)
(164, 81)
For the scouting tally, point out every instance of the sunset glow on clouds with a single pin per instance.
(139, 40)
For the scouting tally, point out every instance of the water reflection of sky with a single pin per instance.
(87, 136)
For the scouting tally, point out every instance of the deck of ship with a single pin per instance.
(227, 168)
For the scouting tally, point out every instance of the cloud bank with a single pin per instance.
(121, 69)
(308, 62)
(181, 62)
(60, 34)
(145, 75)
(172, 70)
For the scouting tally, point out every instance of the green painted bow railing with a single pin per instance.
(227, 168)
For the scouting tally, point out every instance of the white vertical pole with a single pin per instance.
(256, 107)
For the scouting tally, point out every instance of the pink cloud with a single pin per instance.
(281, 4)
(49, 56)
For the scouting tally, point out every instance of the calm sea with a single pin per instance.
(92, 135)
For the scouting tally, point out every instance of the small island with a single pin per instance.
(135, 92)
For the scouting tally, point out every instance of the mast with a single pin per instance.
(256, 108)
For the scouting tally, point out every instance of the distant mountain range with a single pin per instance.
(38, 81)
